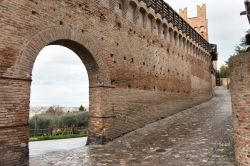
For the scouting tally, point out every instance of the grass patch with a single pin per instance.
(42, 138)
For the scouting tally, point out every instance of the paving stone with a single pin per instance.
(206, 132)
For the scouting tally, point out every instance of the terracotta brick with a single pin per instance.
(141, 68)
(240, 91)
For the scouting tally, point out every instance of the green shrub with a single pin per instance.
(69, 119)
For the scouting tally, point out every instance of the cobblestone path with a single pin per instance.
(198, 136)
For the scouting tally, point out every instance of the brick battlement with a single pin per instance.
(165, 20)
(173, 17)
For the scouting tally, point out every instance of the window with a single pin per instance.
(142, 17)
(170, 35)
(165, 31)
(120, 4)
(151, 22)
(131, 14)
(158, 22)
(175, 38)
(119, 8)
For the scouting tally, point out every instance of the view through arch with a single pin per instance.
(59, 101)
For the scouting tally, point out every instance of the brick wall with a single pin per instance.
(240, 91)
(200, 24)
(141, 68)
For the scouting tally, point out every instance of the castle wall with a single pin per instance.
(141, 67)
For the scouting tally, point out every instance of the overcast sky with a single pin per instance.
(60, 78)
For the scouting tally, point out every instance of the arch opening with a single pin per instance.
(165, 31)
(151, 25)
(132, 12)
(98, 74)
(159, 27)
(119, 7)
(59, 100)
(171, 36)
(175, 38)
(142, 17)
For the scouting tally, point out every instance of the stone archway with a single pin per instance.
(18, 88)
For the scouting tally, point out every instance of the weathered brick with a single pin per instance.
(240, 91)
(141, 68)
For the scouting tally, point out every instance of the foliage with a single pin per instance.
(242, 47)
(40, 138)
(224, 71)
(57, 119)
(40, 122)
(81, 108)
(53, 111)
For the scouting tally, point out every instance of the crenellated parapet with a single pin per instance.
(161, 19)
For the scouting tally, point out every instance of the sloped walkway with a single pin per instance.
(198, 136)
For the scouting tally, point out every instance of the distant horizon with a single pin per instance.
(58, 105)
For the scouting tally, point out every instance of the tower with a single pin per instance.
(199, 23)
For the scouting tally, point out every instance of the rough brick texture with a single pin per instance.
(140, 70)
(200, 24)
(240, 91)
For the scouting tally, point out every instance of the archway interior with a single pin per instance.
(60, 81)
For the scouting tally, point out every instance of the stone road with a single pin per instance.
(198, 136)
